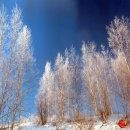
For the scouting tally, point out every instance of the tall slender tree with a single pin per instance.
(119, 41)
(16, 59)
(95, 79)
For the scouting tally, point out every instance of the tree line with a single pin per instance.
(96, 83)
(93, 83)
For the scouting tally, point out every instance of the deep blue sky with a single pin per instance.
(58, 24)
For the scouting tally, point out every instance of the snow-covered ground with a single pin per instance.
(29, 124)
(32, 126)
(97, 126)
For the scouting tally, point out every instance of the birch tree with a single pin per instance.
(60, 83)
(119, 41)
(16, 65)
(68, 75)
(119, 37)
(47, 87)
(122, 81)
(95, 80)
(77, 95)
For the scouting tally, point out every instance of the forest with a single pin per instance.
(77, 87)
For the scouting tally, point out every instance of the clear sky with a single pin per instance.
(59, 24)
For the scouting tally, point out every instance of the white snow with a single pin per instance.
(30, 124)
(33, 126)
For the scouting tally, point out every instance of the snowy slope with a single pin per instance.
(32, 126)
(29, 124)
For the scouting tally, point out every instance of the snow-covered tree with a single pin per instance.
(16, 59)
(47, 87)
(119, 41)
(90, 83)
(122, 81)
(60, 79)
(119, 37)
(95, 80)
(77, 94)
(68, 73)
